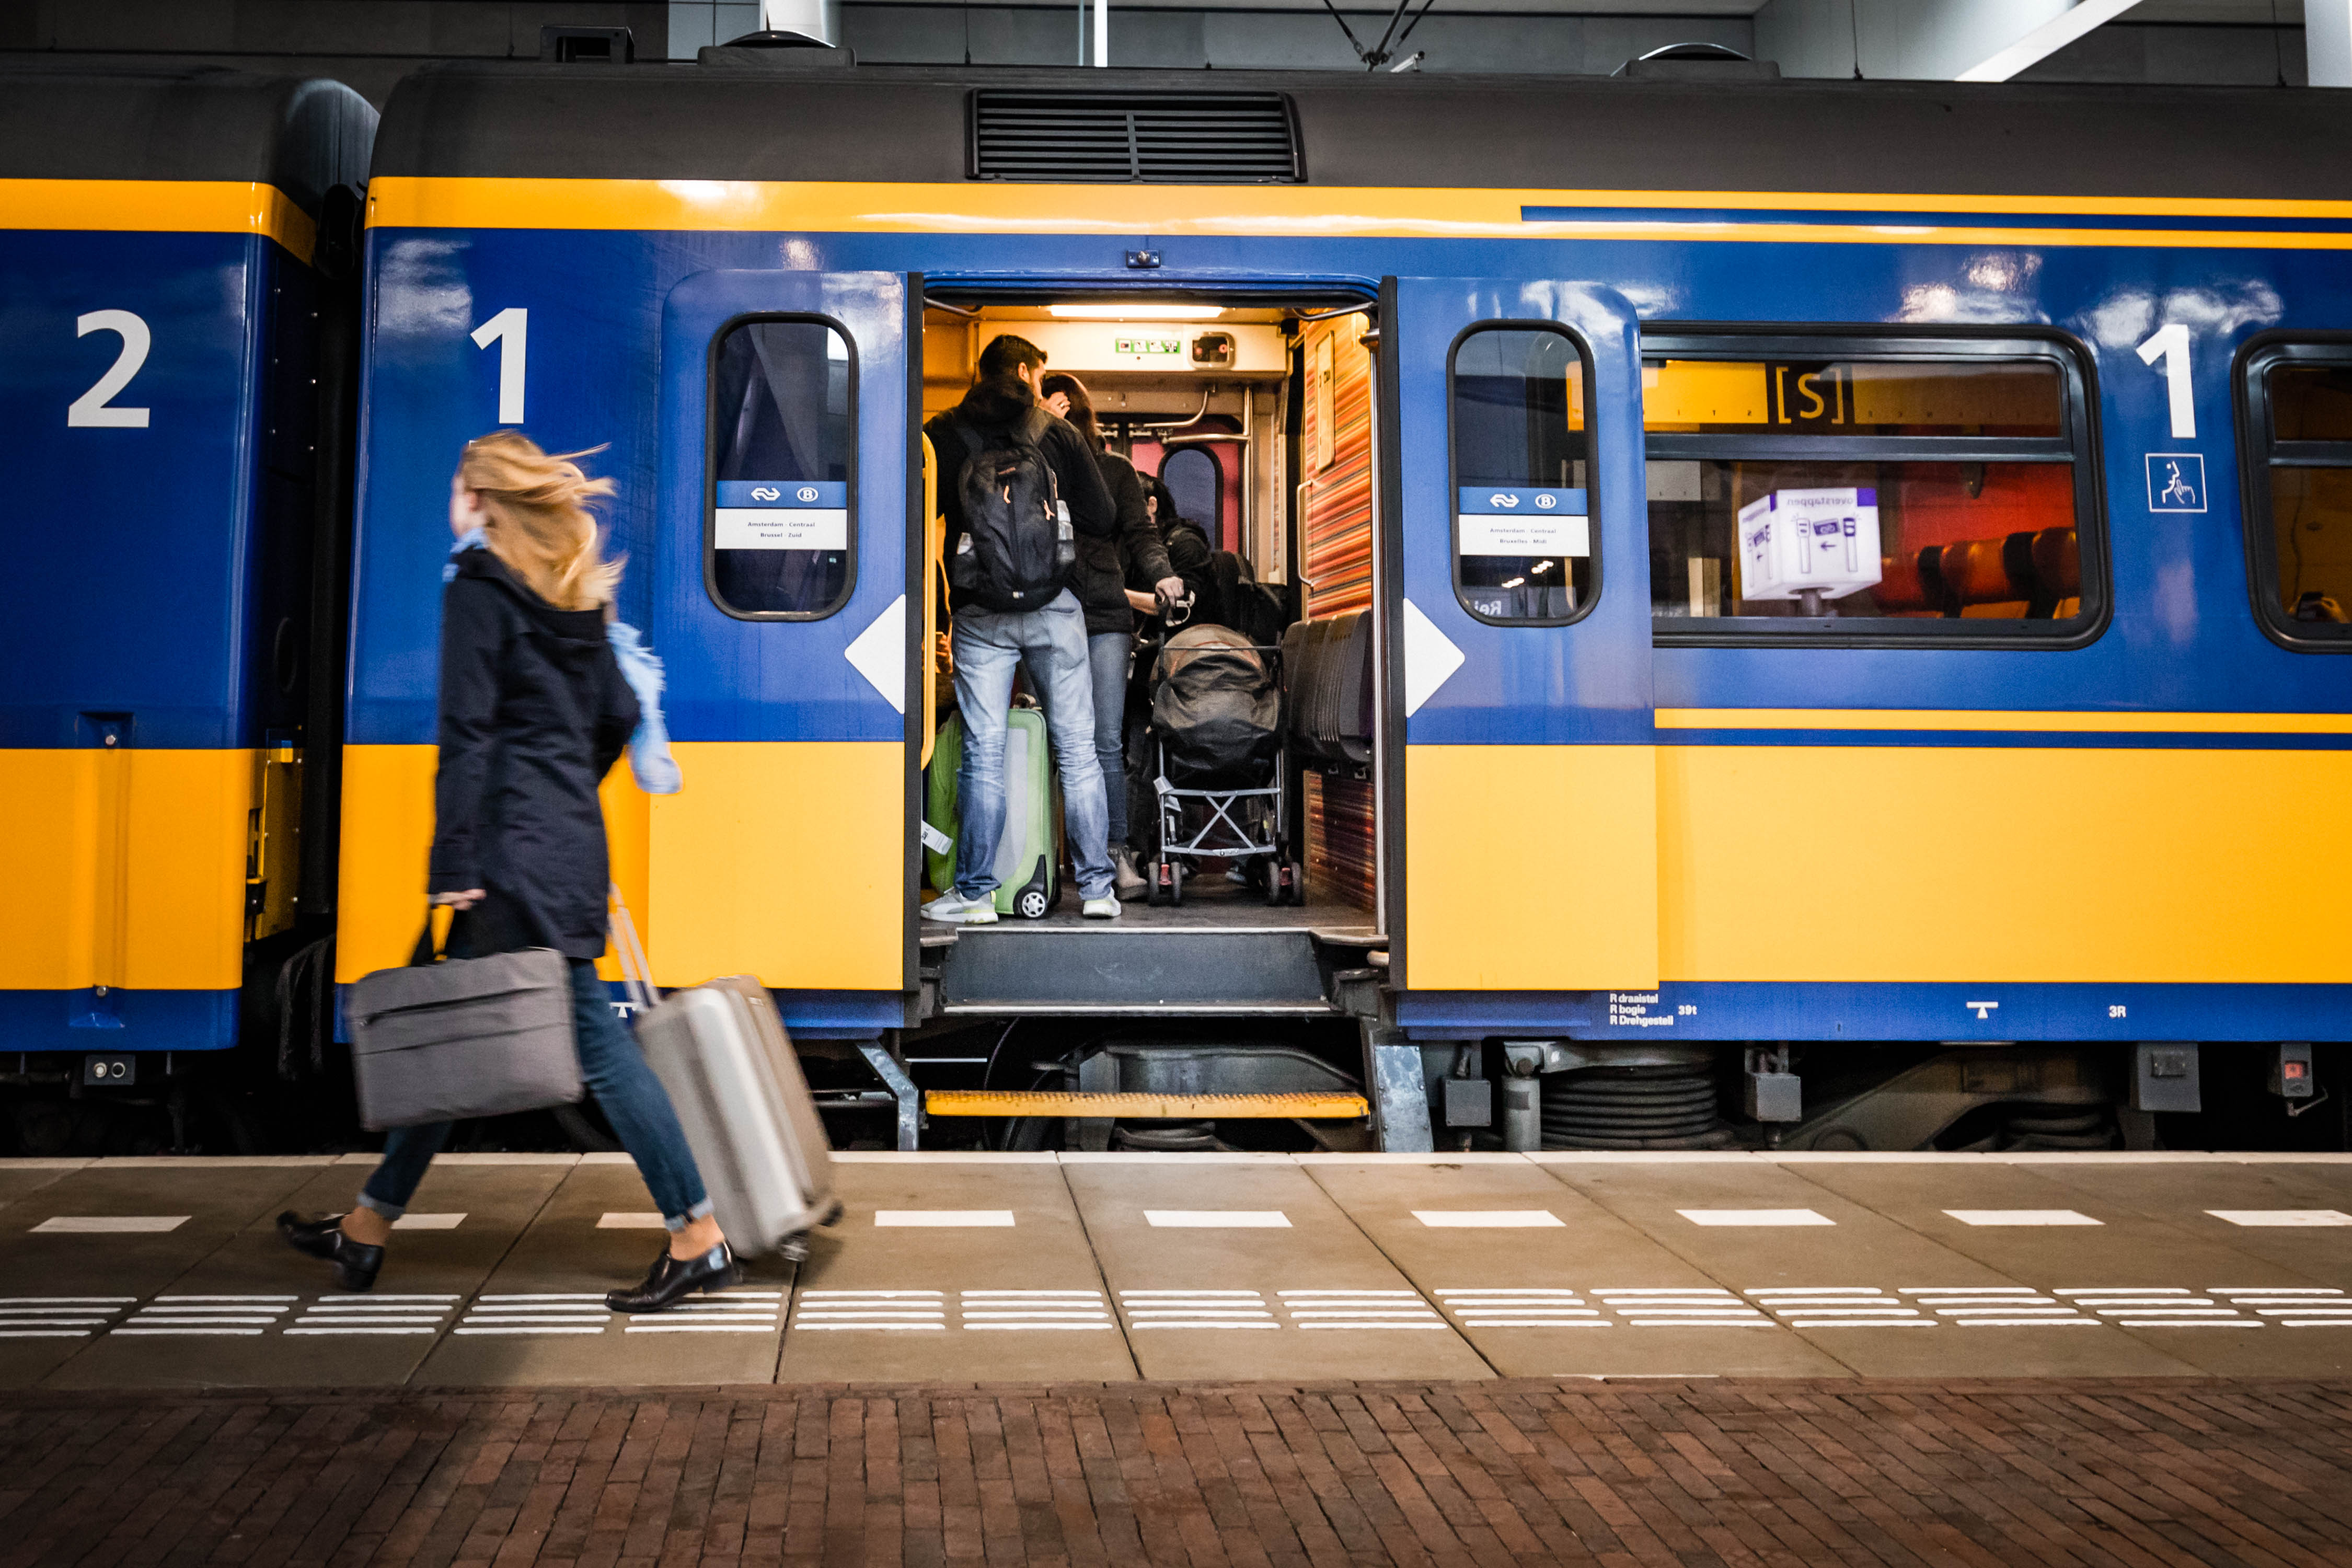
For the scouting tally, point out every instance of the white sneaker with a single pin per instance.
(1102, 908)
(954, 909)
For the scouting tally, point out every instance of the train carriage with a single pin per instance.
(167, 242)
(1844, 564)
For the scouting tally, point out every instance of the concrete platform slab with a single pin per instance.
(1527, 1294)
(1309, 1299)
(943, 1269)
(2156, 1230)
(314, 1334)
(66, 1284)
(2136, 1275)
(21, 1179)
(540, 1317)
(1879, 1296)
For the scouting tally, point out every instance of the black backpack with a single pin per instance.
(1017, 549)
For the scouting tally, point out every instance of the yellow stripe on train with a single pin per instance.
(165, 206)
(783, 859)
(126, 868)
(827, 206)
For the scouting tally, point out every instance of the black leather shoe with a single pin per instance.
(674, 1276)
(355, 1264)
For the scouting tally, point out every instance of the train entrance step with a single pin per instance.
(1050, 966)
(1145, 1106)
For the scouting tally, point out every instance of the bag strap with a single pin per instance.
(635, 973)
(426, 951)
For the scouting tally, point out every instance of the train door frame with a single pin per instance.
(1306, 292)
(1541, 689)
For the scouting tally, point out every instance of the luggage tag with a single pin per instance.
(935, 841)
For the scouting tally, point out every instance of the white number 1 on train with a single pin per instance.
(2170, 344)
(511, 330)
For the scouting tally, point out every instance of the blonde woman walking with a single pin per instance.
(534, 712)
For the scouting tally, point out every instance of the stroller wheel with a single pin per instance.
(1155, 879)
(1277, 885)
(1175, 883)
(1294, 881)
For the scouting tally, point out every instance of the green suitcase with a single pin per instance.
(1028, 858)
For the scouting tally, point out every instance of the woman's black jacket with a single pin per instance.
(534, 712)
(1134, 551)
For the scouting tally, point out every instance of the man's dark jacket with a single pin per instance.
(534, 712)
(990, 409)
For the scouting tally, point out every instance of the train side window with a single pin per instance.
(777, 542)
(1525, 552)
(2298, 399)
(1905, 489)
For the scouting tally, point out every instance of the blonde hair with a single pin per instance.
(536, 520)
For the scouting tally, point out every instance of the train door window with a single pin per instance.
(1194, 478)
(777, 542)
(2297, 397)
(1523, 540)
(1897, 488)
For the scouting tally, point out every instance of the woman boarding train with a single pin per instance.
(534, 710)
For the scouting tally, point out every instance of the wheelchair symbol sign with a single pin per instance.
(2176, 482)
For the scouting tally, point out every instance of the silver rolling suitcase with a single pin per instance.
(721, 1053)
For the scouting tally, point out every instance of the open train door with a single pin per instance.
(1518, 664)
(781, 610)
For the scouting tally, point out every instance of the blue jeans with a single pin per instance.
(623, 1086)
(1107, 653)
(1052, 644)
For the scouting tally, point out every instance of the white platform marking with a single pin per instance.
(205, 1315)
(57, 1317)
(1008, 1311)
(108, 1224)
(1196, 1310)
(2294, 1217)
(1488, 1219)
(619, 1221)
(879, 1311)
(428, 1222)
(2021, 1216)
(1525, 1307)
(942, 1218)
(1754, 1216)
(1856, 1307)
(1218, 1219)
(508, 1313)
(350, 1317)
(1688, 1307)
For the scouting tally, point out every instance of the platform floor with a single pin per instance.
(1107, 1268)
(1681, 1475)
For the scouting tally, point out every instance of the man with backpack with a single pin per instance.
(1018, 486)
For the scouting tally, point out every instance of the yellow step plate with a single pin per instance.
(1142, 1107)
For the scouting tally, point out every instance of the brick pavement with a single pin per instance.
(1624, 1474)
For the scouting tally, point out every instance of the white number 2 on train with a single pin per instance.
(2170, 344)
(91, 409)
(511, 330)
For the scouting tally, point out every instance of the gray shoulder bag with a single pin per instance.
(447, 1039)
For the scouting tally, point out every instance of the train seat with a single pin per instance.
(1977, 575)
(1906, 586)
(2057, 555)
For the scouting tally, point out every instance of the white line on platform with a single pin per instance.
(2028, 1323)
(157, 1330)
(619, 1220)
(943, 1218)
(428, 1222)
(701, 1326)
(228, 1298)
(108, 1224)
(1593, 1322)
(339, 1331)
(596, 1295)
(1743, 1217)
(1218, 1219)
(67, 1301)
(1488, 1219)
(44, 1334)
(867, 1295)
(1159, 1323)
(2021, 1216)
(985, 1326)
(464, 1329)
(1186, 1295)
(2282, 1217)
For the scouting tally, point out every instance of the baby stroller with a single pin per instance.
(1219, 785)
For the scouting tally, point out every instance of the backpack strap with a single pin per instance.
(1030, 431)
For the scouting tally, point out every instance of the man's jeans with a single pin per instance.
(1052, 644)
(1107, 653)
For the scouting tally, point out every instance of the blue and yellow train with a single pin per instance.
(1844, 565)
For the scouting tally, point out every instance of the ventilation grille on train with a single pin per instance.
(1227, 138)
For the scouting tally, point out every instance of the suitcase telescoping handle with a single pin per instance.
(635, 973)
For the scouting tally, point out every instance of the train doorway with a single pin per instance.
(1247, 741)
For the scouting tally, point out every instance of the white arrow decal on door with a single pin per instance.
(879, 654)
(1430, 657)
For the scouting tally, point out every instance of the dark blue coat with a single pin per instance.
(534, 712)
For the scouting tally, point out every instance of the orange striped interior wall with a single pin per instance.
(1336, 471)
(1339, 817)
